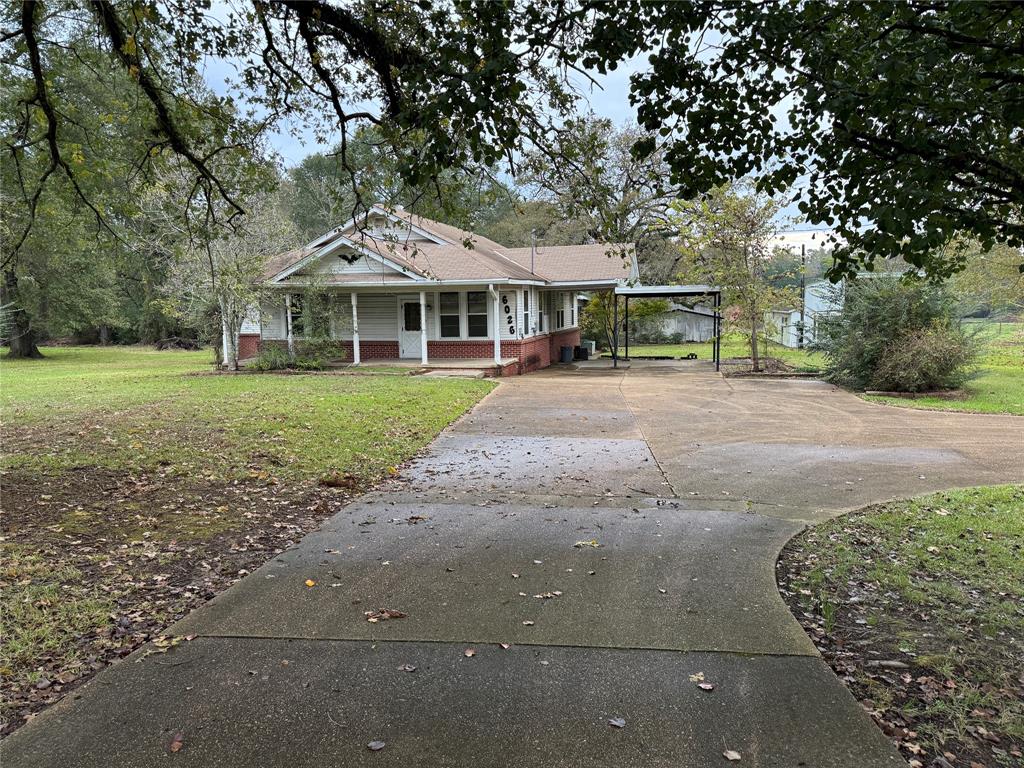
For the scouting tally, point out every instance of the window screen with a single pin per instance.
(476, 312)
(449, 315)
(297, 316)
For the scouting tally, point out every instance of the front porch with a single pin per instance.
(484, 366)
(504, 330)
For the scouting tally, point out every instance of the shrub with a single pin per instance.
(938, 357)
(271, 358)
(310, 355)
(894, 334)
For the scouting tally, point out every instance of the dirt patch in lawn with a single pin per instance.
(97, 562)
(918, 606)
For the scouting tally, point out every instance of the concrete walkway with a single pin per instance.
(688, 483)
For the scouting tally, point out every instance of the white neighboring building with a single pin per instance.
(697, 324)
(783, 325)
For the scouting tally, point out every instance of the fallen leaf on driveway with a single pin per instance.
(383, 614)
(527, 623)
(407, 668)
(731, 755)
(706, 686)
(469, 652)
(591, 543)
(699, 677)
(376, 746)
(617, 722)
(506, 646)
(177, 742)
(310, 583)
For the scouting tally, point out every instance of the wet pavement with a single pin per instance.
(617, 532)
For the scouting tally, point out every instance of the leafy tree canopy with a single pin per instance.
(330, 188)
(901, 124)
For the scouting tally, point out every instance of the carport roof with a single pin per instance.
(659, 291)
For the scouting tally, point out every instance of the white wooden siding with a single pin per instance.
(378, 317)
(273, 319)
(512, 312)
(335, 264)
(341, 317)
(251, 321)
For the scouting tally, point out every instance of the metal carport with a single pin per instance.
(666, 292)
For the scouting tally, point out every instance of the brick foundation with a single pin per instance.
(533, 354)
(248, 345)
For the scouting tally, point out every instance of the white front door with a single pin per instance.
(409, 333)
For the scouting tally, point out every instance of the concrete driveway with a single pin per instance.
(602, 542)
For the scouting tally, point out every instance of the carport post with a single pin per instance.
(615, 330)
(718, 331)
(627, 329)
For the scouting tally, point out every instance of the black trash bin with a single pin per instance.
(566, 356)
(582, 353)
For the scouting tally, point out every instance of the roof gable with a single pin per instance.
(394, 245)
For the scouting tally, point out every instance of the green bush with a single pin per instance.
(924, 359)
(271, 358)
(895, 334)
(310, 355)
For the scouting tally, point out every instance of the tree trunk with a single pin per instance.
(754, 358)
(21, 336)
(229, 344)
(105, 335)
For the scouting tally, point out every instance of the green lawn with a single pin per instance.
(933, 587)
(734, 345)
(133, 409)
(137, 485)
(998, 386)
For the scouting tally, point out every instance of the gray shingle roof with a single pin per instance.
(468, 256)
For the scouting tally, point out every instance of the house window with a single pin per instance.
(560, 312)
(297, 319)
(449, 309)
(476, 313)
(526, 312)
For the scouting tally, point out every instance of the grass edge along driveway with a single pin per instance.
(918, 606)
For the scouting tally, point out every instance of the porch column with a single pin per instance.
(423, 327)
(520, 315)
(495, 296)
(355, 328)
(288, 324)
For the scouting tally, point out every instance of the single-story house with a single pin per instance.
(783, 325)
(408, 288)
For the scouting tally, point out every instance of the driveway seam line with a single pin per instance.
(376, 641)
(647, 442)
